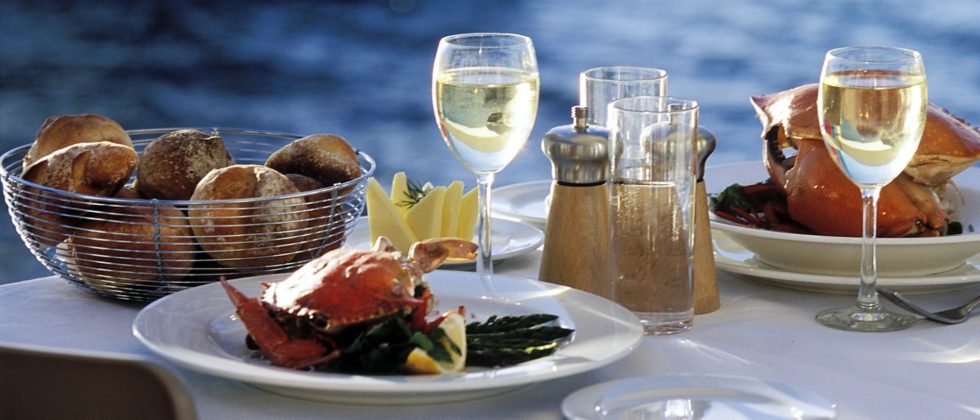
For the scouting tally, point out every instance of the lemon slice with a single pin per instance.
(419, 360)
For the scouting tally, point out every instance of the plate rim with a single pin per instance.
(533, 185)
(573, 401)
(750, 266)
(340, 384)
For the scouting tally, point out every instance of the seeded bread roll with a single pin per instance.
(173, 164)
(324, 213)
(262, 233)
(65, 130)
(324, 157)
(120, 244)
(86, 168)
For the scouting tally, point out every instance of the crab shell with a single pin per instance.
(823, 199)
(345, 287)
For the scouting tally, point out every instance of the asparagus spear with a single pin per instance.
(506, 356)
(508, 323)
(539, 333)
(509, 340)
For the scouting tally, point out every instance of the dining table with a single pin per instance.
(761, 330)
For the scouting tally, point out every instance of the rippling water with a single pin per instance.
(362, 69)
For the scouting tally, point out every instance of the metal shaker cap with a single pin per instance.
(578, 152)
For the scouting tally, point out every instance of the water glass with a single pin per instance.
(651, 209)
(601, 85)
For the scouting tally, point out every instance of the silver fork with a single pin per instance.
(949, 316)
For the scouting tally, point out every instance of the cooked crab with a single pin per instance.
(297, 320)
(824, 200)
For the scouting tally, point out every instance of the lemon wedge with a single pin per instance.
(419, 361)
(383, 218)
(450, 210)
(468, 207)
(399, 192)
(425, 217)
(444, 211)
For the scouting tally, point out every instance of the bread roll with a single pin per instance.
(241, 235)
(324, 157)
(325, 212)
(86, 168)
(132, 243)
(65, 130)
(173, 164)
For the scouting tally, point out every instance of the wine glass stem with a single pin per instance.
(867, 292)
(484, 263)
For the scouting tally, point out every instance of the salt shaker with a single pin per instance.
(575, 239)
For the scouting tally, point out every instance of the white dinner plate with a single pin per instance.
(840, 256)
(196, 328)
(509, 238)
(697, 397)
(733, 257)
(527, 201)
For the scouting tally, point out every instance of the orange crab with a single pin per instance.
(296, 322)
(821, 198)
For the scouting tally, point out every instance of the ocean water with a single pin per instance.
(363, 69)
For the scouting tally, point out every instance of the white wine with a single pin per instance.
(872, 122)
(486, 113)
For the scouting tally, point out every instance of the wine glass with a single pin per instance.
(485, 97)
(872, 111)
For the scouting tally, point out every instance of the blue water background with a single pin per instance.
(362, 69)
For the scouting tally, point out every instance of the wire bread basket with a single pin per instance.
(144, 249)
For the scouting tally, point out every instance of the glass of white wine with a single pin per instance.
(485, 96)
(872, 111)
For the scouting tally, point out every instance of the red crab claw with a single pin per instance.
(431, 253)
(274, 343)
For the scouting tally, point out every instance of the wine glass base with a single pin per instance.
(856, 319)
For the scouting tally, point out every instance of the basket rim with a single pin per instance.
(366, 172)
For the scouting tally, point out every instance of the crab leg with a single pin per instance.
(431, 253)
(274, 343)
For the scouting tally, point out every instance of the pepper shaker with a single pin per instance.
(705, 278)
(575, 238)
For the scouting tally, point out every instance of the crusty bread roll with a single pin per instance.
(325, 212)
(132, 243)
(173, 164)
(324, 157)
(62, 131)
(86, 168)
(241, 235)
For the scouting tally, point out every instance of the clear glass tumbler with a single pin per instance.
(651, 209)
(601, 85)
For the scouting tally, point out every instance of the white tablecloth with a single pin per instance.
(929, 371)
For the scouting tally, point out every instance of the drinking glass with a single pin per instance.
(601, 85)
(651, 185)
(485, 97)
(872, 111)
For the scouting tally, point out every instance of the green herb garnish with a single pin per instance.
(733, 197)
(414, 194)
(382, 348)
